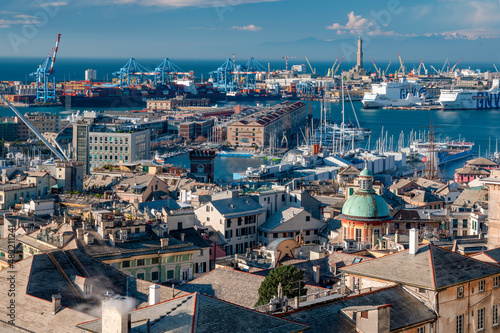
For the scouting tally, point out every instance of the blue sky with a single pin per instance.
(264, 29)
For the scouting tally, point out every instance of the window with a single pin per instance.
(421, 329)
(460, 292)
(140, 262)
(396, 226)
(481, 286)
(308, 232)
(455, 223)
(140, 276)
(408, 226)
(155, 261)
(496, 282)
(275, 235)
(495, 315)
(480, 319)
(126, 263)
(308, 218)
(364, 314)
(460, 323)
(170, 275)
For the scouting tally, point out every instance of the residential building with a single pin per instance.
(493, 184)
(403, 220)
(174, 103)
(483, 163)
(43, 122)
(68, 175)
(202, 164)
(141, 188)
(81, 145)
(469, 173)
(472, 201)
(437, 278)
(290, 222)
(8, 130)
(22, 129)
(235, 218)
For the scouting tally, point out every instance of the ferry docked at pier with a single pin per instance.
(401, 93)
(461, 99)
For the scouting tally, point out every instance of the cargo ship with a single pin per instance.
(87, 94)
(461, 99)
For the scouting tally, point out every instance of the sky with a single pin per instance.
(265, 29)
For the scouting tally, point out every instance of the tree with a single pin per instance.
(289, 276)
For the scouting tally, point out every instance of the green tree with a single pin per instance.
(289, 276)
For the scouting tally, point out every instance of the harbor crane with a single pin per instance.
(419, 66)
(45, 78)
(495, 67)
(313, 71)
(435, 70)
(402, 65)
(444, 66)
(376, 68)
(330, 73)
(286, 61)
(387, 68)
(338, 66)
(425, 69)
(167, 71)
(132, 73)
(451, 70)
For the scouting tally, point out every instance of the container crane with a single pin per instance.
(313, 71)
(132, 73)
(451, 70)
(166, 71)
(376, 68)
(45, 78)
(286, 61)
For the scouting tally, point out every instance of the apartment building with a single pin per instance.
(43, 122)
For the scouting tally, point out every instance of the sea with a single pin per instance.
(481, 127)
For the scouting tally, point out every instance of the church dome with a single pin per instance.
(365, 204)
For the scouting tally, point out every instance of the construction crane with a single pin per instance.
(338, 66)
(376, 68)
(132, 73)
(286, 61)
(60, 154)
(166, 71)
(313, 71)
(45, 78)
(451, 70)
(387, 68)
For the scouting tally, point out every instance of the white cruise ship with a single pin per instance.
(461, 99)
(401, 93)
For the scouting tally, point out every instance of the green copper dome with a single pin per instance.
(366, 205)
(366, 173)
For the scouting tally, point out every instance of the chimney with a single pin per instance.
(112, 239)
(396, 237)
(164, 242)
(115, 316)
(182, 237)
(413, 241)
(316, 274)
(154, 294)
(56, 303)
(79, 233)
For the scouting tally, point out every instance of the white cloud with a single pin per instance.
(8, 19)
(52, 4)
(189, 3)
(358, 25)
(250, 27)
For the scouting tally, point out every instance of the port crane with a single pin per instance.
(451, 70)
(248, 73)
(444, 66)
(166, 71)
(286, 61)
(224, 76)
(376, 68)
(402, 65)
(132, 73)
(435, 70)
(387, 68)
(419, 66)
(313, 71)
(45, 78)
(495, 67)
(338, 66)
